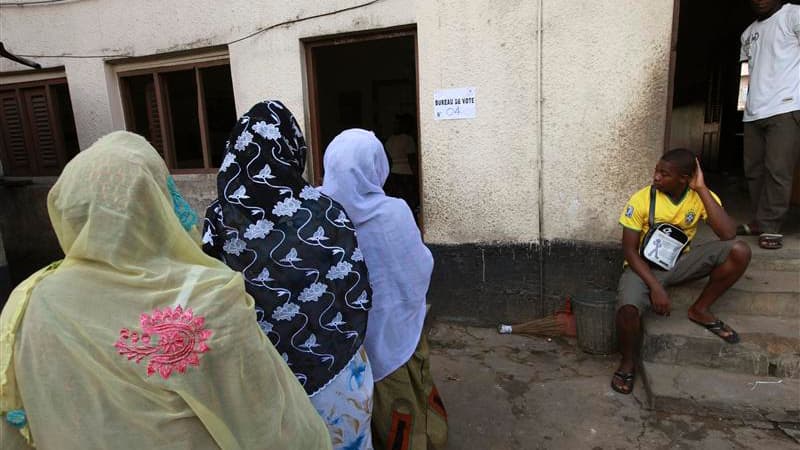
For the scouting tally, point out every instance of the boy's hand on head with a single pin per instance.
(698, 181)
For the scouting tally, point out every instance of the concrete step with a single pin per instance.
(786, 259)
(759, 292)
(769, 346)
(777, 262)
(713, 392)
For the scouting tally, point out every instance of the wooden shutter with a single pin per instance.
(46, 143)
(17, 158)
(153, 118)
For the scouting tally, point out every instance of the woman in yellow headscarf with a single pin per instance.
(137, 339)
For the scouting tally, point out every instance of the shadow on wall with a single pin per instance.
(5, 277)
(28, 238)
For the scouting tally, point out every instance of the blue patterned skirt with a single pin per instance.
(346, 405)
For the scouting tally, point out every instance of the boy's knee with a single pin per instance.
(628, 313)
(740, 252)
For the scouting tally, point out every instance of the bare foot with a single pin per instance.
(697, 315)
(712, 324)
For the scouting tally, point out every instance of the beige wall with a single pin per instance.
(272, 65)
(479, 175)
(604, 65)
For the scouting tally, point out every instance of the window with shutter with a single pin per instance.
(16, 158)
(153, 119)
(49, 160)
(37, 128)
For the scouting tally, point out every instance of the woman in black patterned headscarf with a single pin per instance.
(297, 251)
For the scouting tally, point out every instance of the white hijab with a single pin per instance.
(398, 262)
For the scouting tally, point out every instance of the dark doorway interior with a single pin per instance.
(706, 116)
(710, 86)
(372, 84)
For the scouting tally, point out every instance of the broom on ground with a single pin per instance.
(562, 322)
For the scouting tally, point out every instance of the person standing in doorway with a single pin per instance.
(403, 151)
(771, 46)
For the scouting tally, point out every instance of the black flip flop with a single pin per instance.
(718, 327)
(627, 382)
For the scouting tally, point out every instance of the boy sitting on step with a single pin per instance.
(680, 199)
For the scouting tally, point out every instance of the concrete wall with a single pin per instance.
(479, 175)
(606, 69)
(604, 66)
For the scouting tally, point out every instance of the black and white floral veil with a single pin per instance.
(295, 247)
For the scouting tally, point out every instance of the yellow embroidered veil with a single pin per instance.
(138, 339)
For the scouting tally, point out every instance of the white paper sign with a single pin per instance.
(457, 103)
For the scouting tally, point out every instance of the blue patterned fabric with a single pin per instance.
(346, 405)
(182, 208)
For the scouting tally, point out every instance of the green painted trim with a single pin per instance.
(683, 196)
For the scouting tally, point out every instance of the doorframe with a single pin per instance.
(309, 44)
(673, 59)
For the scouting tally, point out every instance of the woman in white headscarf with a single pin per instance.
(137, 339)
(407, 409)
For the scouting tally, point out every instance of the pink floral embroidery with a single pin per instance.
(173, 339)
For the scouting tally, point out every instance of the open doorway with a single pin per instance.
(368, 81)
(706, 112)
(709, 86)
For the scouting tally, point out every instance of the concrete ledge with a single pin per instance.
(785, 259)
(758, 292)
(769, 346)
(709, 392)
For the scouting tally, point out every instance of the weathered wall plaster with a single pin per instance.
(606, 74)
(479, 175)
(605, 77)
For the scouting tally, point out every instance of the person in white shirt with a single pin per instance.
(771, 46)
(402, 152)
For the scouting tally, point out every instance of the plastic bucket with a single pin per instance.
(595, 319)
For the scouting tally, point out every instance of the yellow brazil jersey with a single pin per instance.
(685, 214)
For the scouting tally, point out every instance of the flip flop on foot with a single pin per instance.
(770, 241)
(622, 382)
(747, 229)
(721, 329)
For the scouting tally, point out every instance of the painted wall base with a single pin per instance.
(480, 284)
(493, 283)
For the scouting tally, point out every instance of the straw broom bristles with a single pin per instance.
(560, 323)
(546, 326)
